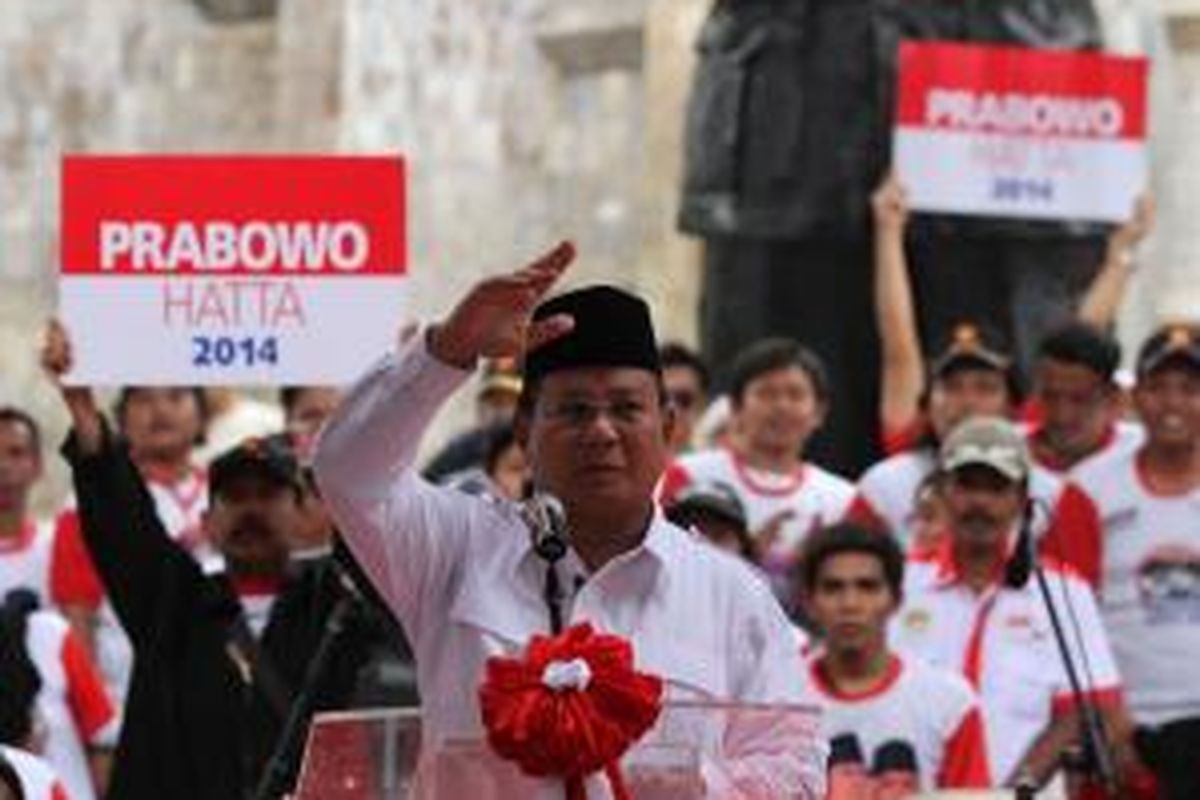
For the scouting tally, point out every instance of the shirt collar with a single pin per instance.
(22, 540)
(659, 544)
(946, 565)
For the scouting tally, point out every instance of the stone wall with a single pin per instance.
(524, 121)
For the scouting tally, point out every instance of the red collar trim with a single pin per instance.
(948, 573)
(743, 470)
(256, 585)
(22, 541)
(820, 680)
(1053, 462)
(185, 492)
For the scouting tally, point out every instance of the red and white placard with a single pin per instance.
(1017, 132)
(231, 269)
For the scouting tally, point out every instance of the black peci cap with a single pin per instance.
(612, 329)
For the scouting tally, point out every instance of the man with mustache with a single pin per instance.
(965, 608)
(221, 656)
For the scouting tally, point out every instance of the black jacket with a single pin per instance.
(197, 725)
(789, 123)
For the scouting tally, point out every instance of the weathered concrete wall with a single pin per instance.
(524, 121)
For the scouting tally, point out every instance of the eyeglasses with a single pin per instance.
(580, 414)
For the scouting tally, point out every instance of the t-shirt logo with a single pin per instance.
(917, 620)
(1169, 585)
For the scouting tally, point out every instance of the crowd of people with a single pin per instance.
(1010, 596)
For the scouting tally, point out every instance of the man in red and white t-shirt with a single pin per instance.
(972, 377)
(1150, 595)
(915, 727)
(779, 394)
(1077, 401)
(73, 704)
(33, 776)
(161, 425)
(965, 609)
(25, 543)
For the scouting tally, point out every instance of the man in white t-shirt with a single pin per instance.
(25, 543)
(971, 606)
(1150, 593)
(780, 395)
(20, 770)
(909, 722)
(73, 705)
(974, 377)
(1076, 400)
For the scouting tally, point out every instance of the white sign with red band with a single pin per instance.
(1015, 132)
(231, 269)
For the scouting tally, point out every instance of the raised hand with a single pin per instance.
(889, 205)
(494, 319)
(56, 359)
(1127, 235)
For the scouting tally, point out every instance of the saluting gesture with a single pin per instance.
(494, 320)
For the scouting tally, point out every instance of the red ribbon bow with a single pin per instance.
(572, 706)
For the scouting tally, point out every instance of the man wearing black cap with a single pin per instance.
(1150, 595)
(219, 658)
(466, 576)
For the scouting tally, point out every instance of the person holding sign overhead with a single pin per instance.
(219, 656)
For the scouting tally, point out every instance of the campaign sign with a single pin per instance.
(231, 269)
(1015, 132)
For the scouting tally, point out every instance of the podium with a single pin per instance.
(695, 750)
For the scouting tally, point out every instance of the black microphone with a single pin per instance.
(547, 521)
(1021, 563)
(895, 770)
(894, 755)
(845, 749)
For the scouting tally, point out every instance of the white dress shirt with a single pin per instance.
(460, 574)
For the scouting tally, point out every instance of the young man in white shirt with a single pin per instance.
(465, 575)
(969, 607)
(779, 394)
(1150, 591)
(1077, 400)
(25, 543)
(898, 710)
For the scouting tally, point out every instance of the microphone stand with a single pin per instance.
(276, 777)
(1097, 757)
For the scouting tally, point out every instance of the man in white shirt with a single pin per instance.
(26, 544)
(780, 396)
(972, 606)
(1149, 502)
(902, 715)
(1078, 401)
(463, 573)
